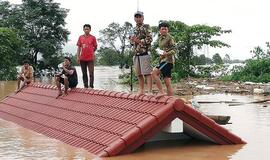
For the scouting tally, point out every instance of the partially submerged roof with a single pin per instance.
(105, 123)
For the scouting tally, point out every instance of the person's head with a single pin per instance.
(26, 64)
(87, 28)
(138, 17)
(163, 28)
(67, 61)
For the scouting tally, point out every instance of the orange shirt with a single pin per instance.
(88, 46)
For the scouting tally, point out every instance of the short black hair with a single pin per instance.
(163, 24)
(25, 61)
(87, 25)
(68, 58)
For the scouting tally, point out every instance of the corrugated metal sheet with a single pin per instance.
(105, 123)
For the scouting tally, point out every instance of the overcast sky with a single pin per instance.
(248, 19)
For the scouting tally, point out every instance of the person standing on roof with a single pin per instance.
(166, 51)
(141, 40)
(87, 45)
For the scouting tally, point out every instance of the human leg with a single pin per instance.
(90, 66)
(146, 70)
(21, 82)
(167, 74)
(141, 84)
(58, 84)
(84, 73)
(168, 86)
(156, 74)
(19, 79)
(137, 69)
(149, 81)
(66, 83)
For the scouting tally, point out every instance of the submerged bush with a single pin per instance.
(254, 71)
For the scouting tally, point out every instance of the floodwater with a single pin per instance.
(251, 122)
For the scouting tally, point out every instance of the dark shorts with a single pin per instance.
(71, 84)
(165, 69)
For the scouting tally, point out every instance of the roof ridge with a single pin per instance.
(122, 95)
(103, 105)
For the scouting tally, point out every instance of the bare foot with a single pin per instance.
(59, 94)
(65, 94)
(140, 94)
(160, 95)
(149, 93)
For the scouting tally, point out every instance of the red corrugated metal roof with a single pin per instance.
(105, 123)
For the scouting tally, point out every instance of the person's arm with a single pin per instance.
(148, 39)
(69, 72)
(172, 48)
(79, 54)
(79, 49)
(95, 44)
(31, 73)
(20, 74)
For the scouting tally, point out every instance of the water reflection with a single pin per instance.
(250, 122)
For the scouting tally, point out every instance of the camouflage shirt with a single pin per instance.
(142, 32)
(167, 44)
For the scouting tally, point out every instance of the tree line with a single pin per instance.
(35, 30)
(40, 32)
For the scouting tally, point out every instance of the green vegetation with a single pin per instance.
(10, 48)
(190, 37)
(40, 24)
(116, 49)
(253, 71)
(37, 29)
(114, 39)
(217, 59)
(256, 69)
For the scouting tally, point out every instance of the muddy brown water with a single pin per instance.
(251, 122)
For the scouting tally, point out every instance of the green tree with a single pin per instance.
(108, 56)
(255, 70)
(10, 47)
(200, 60)
(40, 23)
(259, 53)
(217, 59)
(115, 37)
(227, 59)
(189, 37)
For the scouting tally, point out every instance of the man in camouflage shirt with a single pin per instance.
(167, 50)
(141, 41)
